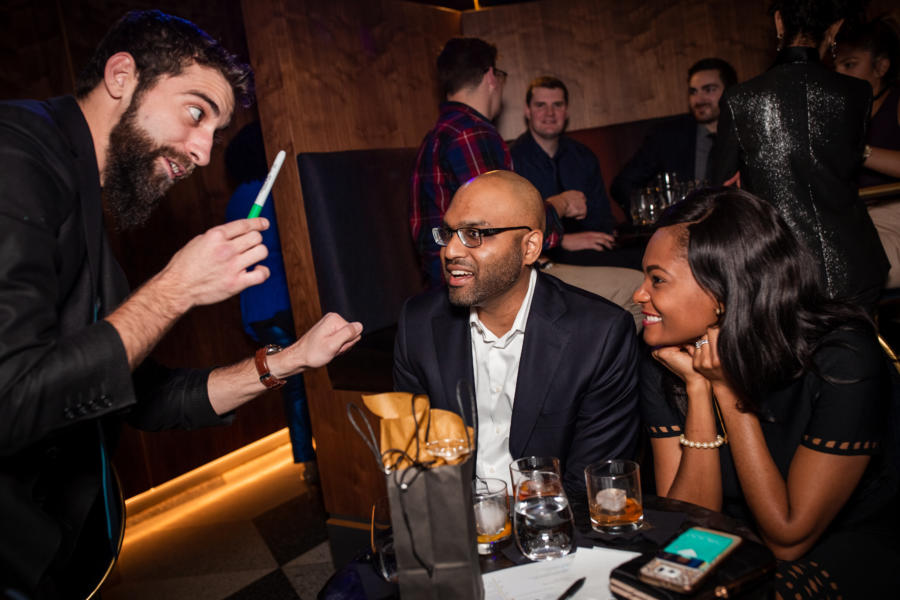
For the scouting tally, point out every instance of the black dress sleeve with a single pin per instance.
(850, 410)
(661, 417)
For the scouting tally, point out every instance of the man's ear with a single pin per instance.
(882, 64)
(490, 78)
(533, 245)
(120, 75)
(779, 26)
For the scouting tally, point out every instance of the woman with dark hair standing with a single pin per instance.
(871, 52)
(773, 404)
(796, 136)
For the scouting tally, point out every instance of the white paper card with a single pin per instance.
(543, 580)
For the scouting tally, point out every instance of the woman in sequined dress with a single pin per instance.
(796, 136)
(766, 401)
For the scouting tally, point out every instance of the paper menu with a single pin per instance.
(543, 580)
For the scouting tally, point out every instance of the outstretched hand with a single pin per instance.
(331, 336)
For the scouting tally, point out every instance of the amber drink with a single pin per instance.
(491, 507)
(523, 468)
(614, 496)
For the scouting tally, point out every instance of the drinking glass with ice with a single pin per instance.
(614, 496)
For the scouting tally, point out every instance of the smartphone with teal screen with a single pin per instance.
(684, 563)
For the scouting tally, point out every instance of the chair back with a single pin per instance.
(365, 260)
(357, 211)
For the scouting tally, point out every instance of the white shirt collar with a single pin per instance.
(518, 326)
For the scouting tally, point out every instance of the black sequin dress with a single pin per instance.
(796, 133)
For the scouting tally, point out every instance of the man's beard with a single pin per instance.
(713, 114)
(132, 182)
(489, 282)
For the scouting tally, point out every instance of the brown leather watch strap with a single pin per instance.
(262, 367)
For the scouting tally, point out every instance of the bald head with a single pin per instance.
(506, 196)
(493, 272)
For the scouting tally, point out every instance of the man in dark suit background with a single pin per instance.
(553, 367)
(683, 144)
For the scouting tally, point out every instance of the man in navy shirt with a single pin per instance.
(560, 167)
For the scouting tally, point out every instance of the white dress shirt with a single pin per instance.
(495, 362)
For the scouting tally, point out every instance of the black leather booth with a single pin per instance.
(366, 264)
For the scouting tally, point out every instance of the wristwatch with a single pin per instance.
(262, 367)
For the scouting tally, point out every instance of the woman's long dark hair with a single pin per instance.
(743, 253)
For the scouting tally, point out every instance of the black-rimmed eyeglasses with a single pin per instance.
(471, 237)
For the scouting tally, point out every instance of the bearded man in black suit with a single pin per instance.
(682, 144)
(553, 367)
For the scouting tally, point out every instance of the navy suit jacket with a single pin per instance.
(576, 392)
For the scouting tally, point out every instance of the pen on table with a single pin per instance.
(267, 186)
(573, 589)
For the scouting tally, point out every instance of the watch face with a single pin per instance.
(273, 349)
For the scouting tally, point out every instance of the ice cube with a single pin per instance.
(611, 499)
(490, 517)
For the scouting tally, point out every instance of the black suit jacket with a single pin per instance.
(670, 148)
(64, 375)
(576, 392)
(796, 133)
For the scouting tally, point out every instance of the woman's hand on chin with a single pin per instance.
(706, 357)
(680, 360)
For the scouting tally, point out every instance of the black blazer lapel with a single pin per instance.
(453, 346)
(70, 119)
(545, 339)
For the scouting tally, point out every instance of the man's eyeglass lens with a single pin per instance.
(471, 237)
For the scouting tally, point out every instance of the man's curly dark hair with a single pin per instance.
(163, 44)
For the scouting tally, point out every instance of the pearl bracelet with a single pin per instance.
(720, 440)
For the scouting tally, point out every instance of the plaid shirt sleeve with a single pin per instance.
(554, 229)
(448, 158)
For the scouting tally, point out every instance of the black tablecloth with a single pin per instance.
(663, 518)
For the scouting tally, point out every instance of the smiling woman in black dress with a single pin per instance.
(766, 400)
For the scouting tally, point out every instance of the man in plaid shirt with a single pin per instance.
(464, 144)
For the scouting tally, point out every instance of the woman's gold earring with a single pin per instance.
(719, 311)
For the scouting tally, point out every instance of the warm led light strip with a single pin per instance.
(214, 479)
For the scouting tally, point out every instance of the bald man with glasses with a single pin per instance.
(553, 367)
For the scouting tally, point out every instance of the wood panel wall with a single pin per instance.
(622, 61)
(339, 75)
